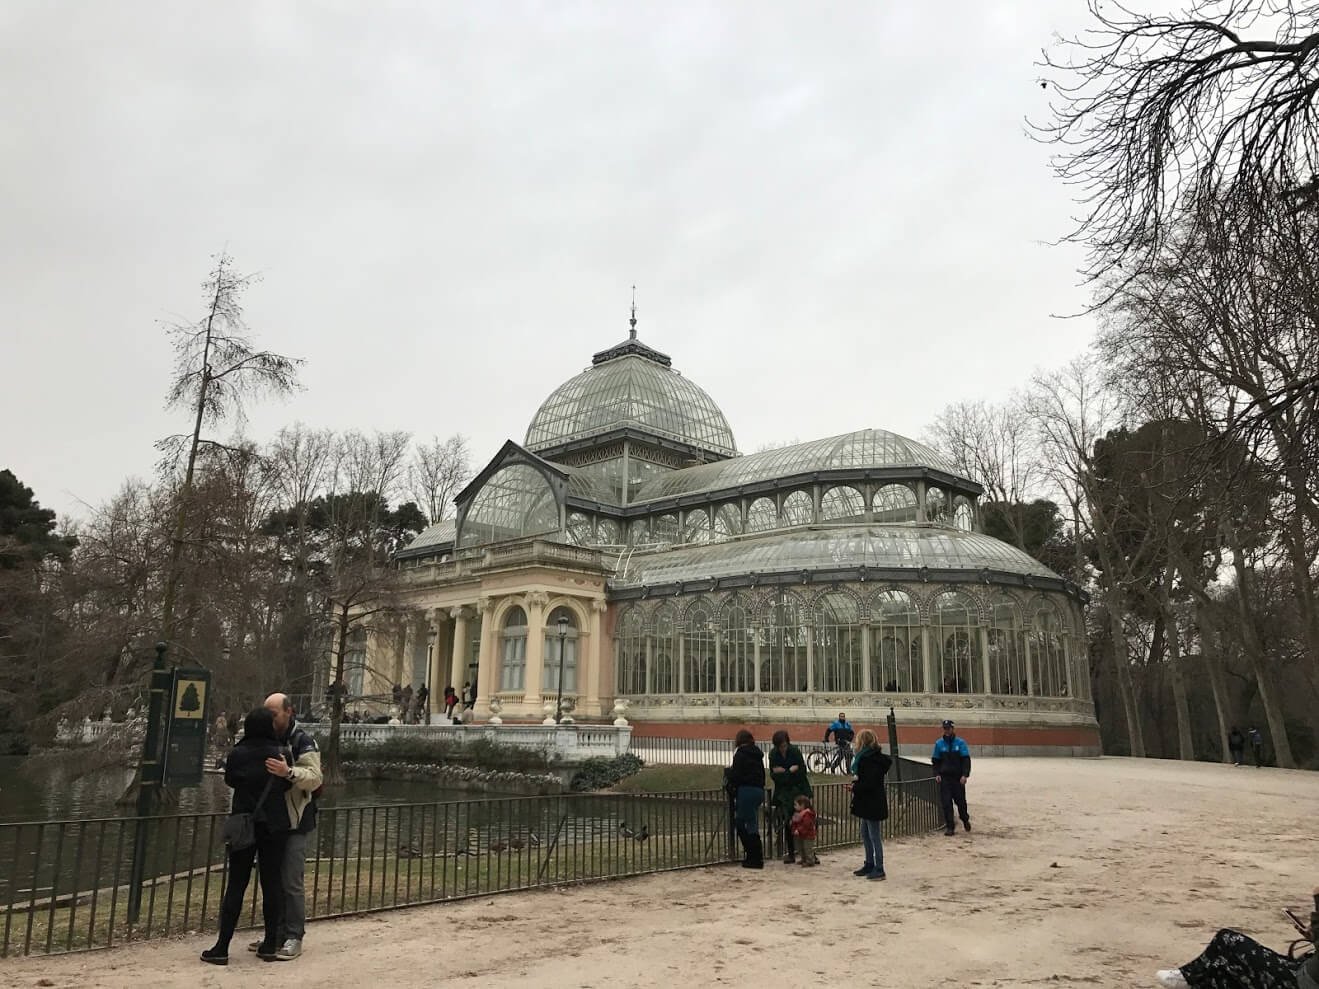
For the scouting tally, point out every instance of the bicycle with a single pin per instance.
(838, 760)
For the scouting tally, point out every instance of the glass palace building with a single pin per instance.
(628, 543)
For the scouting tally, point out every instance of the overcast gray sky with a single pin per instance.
(831, 212)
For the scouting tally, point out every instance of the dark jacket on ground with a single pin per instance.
(245, 772)
(748, 768)
(788, 786)
(951, 757)
(869, 798)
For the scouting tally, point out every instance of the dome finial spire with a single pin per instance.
(632, 333)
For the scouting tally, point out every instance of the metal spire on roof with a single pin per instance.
(632, 333)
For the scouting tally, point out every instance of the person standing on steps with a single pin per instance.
(301, 770)
(745, 781)
(952, 764)
(1236, 745)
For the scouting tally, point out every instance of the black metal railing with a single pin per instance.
(64, 884)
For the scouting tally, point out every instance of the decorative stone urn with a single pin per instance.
(569, 705)
(549, 713)
(496, 705)
(620, 711)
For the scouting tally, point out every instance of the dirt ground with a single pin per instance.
(1078, 872)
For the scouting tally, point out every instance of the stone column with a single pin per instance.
(921, 515)
(435, 702)
(718, 636)
(485, 669)
(680, 659)
(1067, 661)
(866, 685)
(755, 657)
(403, 663)
(458, 650)
(535, 679)
(1030, 663)
(927, 670)
(591, 660)
(984, 656)
(650, 663)
(810, 659)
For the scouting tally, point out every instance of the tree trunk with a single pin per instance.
(333, 769)
(1214, 666)
(181, 515)
(1185, 745)
(1255, 653)
(1121, 659)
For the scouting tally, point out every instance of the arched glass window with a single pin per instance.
(936, 505)
(698, 649)
(553, 644)
(638, 532)
(580, 530)
(738, 658)
(608, 532)
(727, 522)
(761, 515)
(630, 675)
(1050, 671)
(963, 514)
(664, 529)
(1007, 650)
(517, 501)
(955, 644)
(696, 527)
(895, 644)
(513, 654)
(895, 503)
(842, 504)
(786, 630)
(837, 644)
(798, 509)
(664, 650)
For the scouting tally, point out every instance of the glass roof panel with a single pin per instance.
(635, 391)
(796, 550)
(861, 449)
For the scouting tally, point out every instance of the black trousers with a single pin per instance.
(268, 853)
(1237, 755)
(952, 791)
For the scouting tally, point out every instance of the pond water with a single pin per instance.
(47, 790)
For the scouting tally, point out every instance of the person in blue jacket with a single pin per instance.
(952, 764)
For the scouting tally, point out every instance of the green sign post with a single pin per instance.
(185, 734)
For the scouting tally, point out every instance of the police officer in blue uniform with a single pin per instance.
(952, 764)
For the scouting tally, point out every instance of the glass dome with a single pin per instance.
(633, 390)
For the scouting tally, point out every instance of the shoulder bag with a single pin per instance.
(240, 828)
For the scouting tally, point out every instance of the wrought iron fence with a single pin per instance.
(64, 884)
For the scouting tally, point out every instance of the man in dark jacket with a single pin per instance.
(1236, 745)
(952, 764)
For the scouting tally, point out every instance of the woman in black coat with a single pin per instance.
(260, 793)
(870, 801)
(745, 782)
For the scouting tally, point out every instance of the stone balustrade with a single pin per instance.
(563, 743)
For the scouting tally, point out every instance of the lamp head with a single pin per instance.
(563, 626)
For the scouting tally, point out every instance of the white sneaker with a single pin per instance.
(1172, 978)
(293, 947)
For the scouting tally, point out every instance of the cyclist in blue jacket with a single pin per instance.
(952, 764)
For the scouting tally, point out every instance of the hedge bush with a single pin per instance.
(598, 773)
(481, 752)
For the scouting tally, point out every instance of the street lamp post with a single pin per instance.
(563, 636)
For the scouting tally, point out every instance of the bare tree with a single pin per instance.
(1073, 410)
(994, 444)
(439, 470)
(1156, 114)
(362, 583)
(216, 368)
